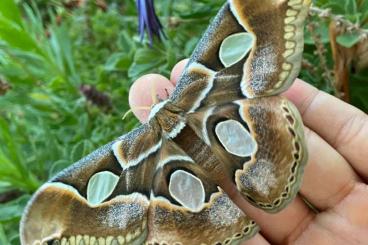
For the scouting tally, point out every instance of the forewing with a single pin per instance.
(251, 49)
(136, 189)
(88, 201)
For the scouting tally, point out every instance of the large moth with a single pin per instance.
(162, 183)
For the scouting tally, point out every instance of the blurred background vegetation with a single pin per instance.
(66, 67)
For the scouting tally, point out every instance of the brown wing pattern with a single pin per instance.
(162, 182)
(267, 68)
(164, 198)
(276, 57)
(260, 142)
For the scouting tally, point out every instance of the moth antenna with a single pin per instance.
(158, 98)
(167, 93)
(154, 96)
(135, 108)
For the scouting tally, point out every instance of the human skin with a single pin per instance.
(336, 175)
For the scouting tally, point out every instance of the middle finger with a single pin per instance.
(328, 177)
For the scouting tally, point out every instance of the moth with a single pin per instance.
(163, 183)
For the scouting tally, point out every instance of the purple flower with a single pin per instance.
(148, 20)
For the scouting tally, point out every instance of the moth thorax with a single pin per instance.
(155, 108)
(169, 117)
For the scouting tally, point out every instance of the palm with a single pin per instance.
(345, 223)
(336, 176)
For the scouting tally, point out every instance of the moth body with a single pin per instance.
(225, 126)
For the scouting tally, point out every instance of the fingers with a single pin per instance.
(145, 92)
(328, 177)
(354, 207)
(276, 228)
(343, 126)
(347, 223)
(256, 240)
(177, 70)
(327, 181)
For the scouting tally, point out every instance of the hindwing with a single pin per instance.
(163, 197)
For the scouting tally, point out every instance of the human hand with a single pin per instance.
(336, 175)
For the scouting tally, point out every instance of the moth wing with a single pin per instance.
(141, 188)
(252, 49)
(187, 206)
(261, 144)
(83, 201)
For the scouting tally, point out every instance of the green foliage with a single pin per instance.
(348, 40)
(356, 13)
(48, 51)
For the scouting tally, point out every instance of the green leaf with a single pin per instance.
(321, 30)
(348, 40)
(10, 11)
(9, 146)
(17, 37)
(62, 50)
(190, 45)
(3, 237)
(118, 61)
(351, 6)
(126, 43)
(58, 166)
(4, 187)
(81, 149)
(13, 209)
(336, 6)
(145, 60)
(100, 186)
